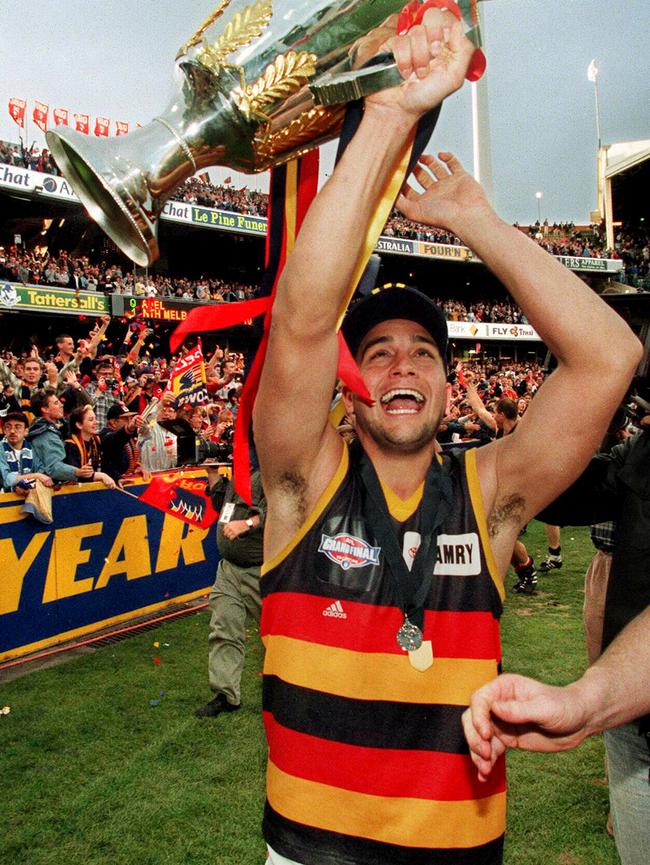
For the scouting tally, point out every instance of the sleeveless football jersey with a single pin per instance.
(368, 764)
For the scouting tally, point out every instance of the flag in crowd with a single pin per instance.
(592, 71)
(82, 123)
(17, 111)
(61, 116)
(41, 111)
(188, 380)
(102, 125)
(18, 107)
(184, 498)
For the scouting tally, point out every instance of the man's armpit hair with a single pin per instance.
(507, 510)
(294, 485)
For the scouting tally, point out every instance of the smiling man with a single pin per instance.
(383, 577)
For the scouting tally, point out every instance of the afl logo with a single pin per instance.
(49, 184)
(348, 551)
(8, 295)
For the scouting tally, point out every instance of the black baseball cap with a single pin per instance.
(393, 302)
(117, 411)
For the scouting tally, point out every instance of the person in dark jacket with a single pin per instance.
(615, 487)
(117, 440)
(236, 590)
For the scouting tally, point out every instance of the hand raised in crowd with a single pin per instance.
(450, 193)
(136, 423)
(84, 349)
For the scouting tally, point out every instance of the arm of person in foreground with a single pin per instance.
(516, 712)
(297, 447)
(477, 404)
(597, 352)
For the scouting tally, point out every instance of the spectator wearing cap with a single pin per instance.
(17, 461)
(119, 451)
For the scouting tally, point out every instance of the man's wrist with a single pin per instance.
(474, 223)
(589, 695)
(392, 118)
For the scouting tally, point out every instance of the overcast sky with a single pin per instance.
(115, 58)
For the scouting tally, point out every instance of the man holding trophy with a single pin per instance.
(376, 632)
(383, 579)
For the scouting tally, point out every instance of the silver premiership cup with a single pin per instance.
(258, 84)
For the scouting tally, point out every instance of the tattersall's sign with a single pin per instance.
(22, 179)
(27, 298)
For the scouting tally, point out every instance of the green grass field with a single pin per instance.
(93, 774)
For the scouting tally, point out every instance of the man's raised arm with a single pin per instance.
(297, 448)
(597, 352)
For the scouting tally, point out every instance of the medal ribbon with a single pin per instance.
(411, 586)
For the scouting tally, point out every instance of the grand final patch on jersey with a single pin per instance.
(458, 555)
(349, 552)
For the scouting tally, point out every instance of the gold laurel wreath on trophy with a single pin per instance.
(274, 148)
(284, 76)
(209, 21)
(244, 27)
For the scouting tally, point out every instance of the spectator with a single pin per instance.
(17, 462)
(117, 439)
(24, 387)
(83, 447)
(47, 443)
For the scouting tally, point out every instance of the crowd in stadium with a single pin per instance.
(84, 409)
(104, 402)
(77, 272)
(632, 245)
(84, 414)
(65, 270)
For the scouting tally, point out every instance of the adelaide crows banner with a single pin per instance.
(188, 382)
(105, 559)
(185, 498)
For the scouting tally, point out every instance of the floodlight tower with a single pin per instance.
(481, 122)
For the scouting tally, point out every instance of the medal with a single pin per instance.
(409, 636)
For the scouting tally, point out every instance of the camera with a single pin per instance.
(637, 409)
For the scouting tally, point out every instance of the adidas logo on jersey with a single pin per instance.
(335, 610)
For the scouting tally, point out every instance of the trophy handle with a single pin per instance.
(335, 88)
